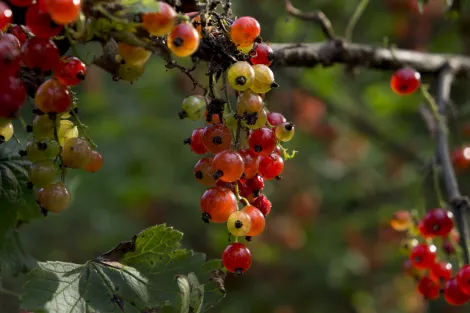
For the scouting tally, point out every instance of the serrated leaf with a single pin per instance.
(13, 174)
(13, 258)
(141, 6)
(136, 276)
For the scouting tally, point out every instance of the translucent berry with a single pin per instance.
(461, 158)
(255, 120)
(285, 132)
(241, 75)
(203, 172)
(236, 258)
(441, 272)
(405, 81)
(262, 141)
(63, 11)
(10, 55)
(454, 294)
(53, 97)
(70, 71)
(428, 288)
(263, 54)
(42, 174)
(255, 183)
(43, 127)
(239, 223)
(217, 204)
(160, 23)
(401, 220)
(263, 204)
(217, 138)
(54, 197)
(40, 54)
(228, 166)
(76, 153)
(244, 31)
(6, 130)
(130, 72)
(12, 96)
(251, 161)
(270, 166)
(132, 54)
(423, 255)
(96, 162)
(66, 131)
(38, 151)
(264, 79)
(249, 102)
(437, 222)
(196, 141)
(183, 40)
(194, 108)
(257, 220)
(463, 279)
(40, 23)
(18, 33)
(275, 118)
(5, 15)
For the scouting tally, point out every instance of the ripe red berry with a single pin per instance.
(70, 71)
(195, 141)
(245, 191)
(217, 203)
(405, 81)
(40, 54)
(244, 31)
(53, 97)
(275, 118)
(257, 220)
(461, 158)
(63, 11)
(262, 141)
(5, 15)
(262, 54)
(217, 138)
(423, 231)
(19, 34)
(96, 162)
(228, 166)
(21, 3)
(453, 294)
(12, 96)
(463, 279)
(423, 255)
(270, 166)
(183, 40)
(255, 183)
(40, 23)
(9, 55)
(428, 288)
(236, 258)
(160, 23)
(251, 161)
(263, 204)
(203, 172)
(441, 272)
(437, 222)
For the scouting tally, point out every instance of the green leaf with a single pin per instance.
(13, 174)
(145, 274)
(141, 6)
(13, 258)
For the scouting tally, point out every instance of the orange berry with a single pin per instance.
(401, 220)
(183, 40)
(95, 163)
(244, 31)
(63, 11)
(161, 22)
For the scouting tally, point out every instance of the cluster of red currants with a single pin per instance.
(429, 265)
(55, 143)
(243, 146)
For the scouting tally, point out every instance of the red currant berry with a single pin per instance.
(275, 118)
(438, 222)
(423, 255)
(53, 97)
(271, 166)
(245, 191)
(203, 172)
(21, 3)
(244, 31)
(453, 294)
(63, 11)
(70, 71)
(195, 141)
(236, 258)
(40, 54)
(428, 288)
(263, 204)
(12, 96)
(461, 158)
(255, 183)
(423, 231)
(463, 279)
(9, 55)
(183, 40)
(263, 54)
(5, 15)
(96, 162)
(441, 272)
(54, 197)
(40, 23)
(160, 23)
(228, 166)
(262, 141)
(19, 34)
(251, 161)
(217, 138)
(217, 204)
(405, 81)
(257, 220)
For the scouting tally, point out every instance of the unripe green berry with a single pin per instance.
(42, 174)
(285, 131)
(194, 107)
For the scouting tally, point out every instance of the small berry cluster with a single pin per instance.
(55, 143)
(433, 271)
(244, 145)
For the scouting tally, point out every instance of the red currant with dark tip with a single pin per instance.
(40, 23)
(203, 172)
(405, 81)
(255, 183)
(10, 55)
(40, 54)
(262, 141)
(262, 54)
(6, 15)
(70, 71)
(251, 161)
(428, 288)
(441, 272)
(228, 166)
(217, 204)
(237, 258)
(461, 158)
(437, 222)
(271, 166)
(275, 118)
(463, 279)
(423, 255)
(195, 141)
(12, 96)
(454, 294)
(217, 138)
(263, 204)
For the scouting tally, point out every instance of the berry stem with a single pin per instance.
(227, 97)
(82, 128)
(431, 102)
(437, 186)
(56, 137)
(355, 18)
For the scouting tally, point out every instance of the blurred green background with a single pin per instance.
(327, 246)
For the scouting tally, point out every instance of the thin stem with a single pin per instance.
(82, 129)
(9, 293)
(437, 186)
(56, 137)
(227, 98)
(430, 101)
(355, 18)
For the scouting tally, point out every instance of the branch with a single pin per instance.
(339, 52)
(459, 204)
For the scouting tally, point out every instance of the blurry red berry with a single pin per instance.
(40, 54)
(461, 158)
(428, 288)
(405, 81)
(463, 279)
(12, 96)
(437, 222)
(5, 15)
(19, 34)
(453, 294)
(423, 255)
(40, 23)
(441, 272)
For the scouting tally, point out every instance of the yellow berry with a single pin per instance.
(241, 75)
(239, 223)
(264, 79)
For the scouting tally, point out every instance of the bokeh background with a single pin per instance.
(328, 246)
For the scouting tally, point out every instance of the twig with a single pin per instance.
(355, 18)
(316, 16)
(459, 204)
(187, 71)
